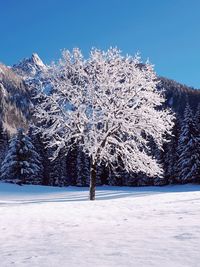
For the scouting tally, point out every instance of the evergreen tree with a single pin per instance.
(82, 168)
(43, 152)
(71, 164)
(102, 175)
(170, 158)
(3, 142)
(54, 171)
(197, 119)
(117, 174)
(58, 171)
(188, 161)
(197, 122)
(22, 163)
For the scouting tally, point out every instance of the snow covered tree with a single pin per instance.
(197, 119)
(104, 104)
(39, 146)
(53, 172)
(197, 122)
(188, 149)
(170, 154)
(22, 163)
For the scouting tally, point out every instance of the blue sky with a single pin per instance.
(165, 31)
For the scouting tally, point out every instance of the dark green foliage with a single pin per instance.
(188, 149)
(22, 163)
(58, 171)
(170, 154)
(82, 168)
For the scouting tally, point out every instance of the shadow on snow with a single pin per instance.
(14, 195)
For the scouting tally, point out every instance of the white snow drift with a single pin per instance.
(149, 226)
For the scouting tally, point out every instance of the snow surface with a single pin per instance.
(55, 227)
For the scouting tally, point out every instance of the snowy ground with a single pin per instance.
(59, 227)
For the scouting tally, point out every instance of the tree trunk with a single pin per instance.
(93, 174)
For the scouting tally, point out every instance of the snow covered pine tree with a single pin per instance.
(104, 104)
(170, 154)
(22, 163)
(188, 149)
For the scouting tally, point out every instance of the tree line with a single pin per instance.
(25, 159)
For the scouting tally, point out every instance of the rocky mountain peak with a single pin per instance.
(30, 67)
(36, 60)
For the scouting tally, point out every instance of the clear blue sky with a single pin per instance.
(165, 31)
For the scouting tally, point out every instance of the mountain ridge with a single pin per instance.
(16, 102)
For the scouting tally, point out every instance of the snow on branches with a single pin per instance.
(108, 104)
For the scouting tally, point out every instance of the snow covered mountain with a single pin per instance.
(14, 100)
(15, 95)
(30, 66)
(15, 92)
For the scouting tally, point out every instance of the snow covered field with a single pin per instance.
(149, 226)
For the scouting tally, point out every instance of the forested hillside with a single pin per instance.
(17, 85)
